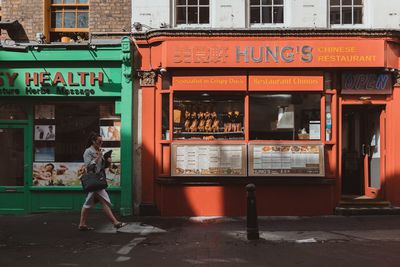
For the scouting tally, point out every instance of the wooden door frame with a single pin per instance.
(351, 101)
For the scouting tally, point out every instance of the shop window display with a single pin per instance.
(60, 135)
(208, 116)
(285, 116)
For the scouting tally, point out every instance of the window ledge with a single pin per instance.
(66, 188)
(264, 180)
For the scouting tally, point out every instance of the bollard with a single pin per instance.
(252, 219)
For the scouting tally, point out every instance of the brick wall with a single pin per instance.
(104, 16)
(28, 12)
(110, 15)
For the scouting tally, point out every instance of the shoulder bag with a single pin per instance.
(94, 181)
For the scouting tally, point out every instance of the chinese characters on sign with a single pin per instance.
(200, 54)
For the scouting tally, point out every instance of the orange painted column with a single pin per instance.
(148, 143)
(392, 148)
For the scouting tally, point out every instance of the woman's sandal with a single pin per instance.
(120, 225)
(85, 228)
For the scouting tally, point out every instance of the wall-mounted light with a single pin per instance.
(365, 98)
(162, 71)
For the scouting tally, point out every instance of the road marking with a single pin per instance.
(128, 247)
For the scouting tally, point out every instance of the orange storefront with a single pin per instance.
(308, 117)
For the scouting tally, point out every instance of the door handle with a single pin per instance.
(366, 150)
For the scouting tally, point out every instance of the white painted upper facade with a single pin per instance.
(231, 14)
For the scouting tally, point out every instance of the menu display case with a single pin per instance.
(209, 159)
(300, 159)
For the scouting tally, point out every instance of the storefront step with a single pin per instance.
(364, 203)
(367, 210)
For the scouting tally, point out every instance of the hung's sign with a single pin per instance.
(56, 83)
(274, 53)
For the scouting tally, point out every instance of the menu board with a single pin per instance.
(286, 160)
(208, 160)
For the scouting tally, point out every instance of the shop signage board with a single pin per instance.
(307, 81)
(209, 82)
(274, 53)
(366, 83)
(209, 160)
(269, 159)
(59, 82)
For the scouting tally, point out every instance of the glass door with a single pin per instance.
(13, 168)
(373, 129)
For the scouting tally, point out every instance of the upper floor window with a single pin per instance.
(346, 12)
(70, 18)
(192, 12)
(266, 11)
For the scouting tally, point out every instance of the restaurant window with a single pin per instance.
(285, 116)
(192, 12)
(345, 12)
(69, 18)
(266, 11)
(208, 116)
(165, 116)
(60, 134)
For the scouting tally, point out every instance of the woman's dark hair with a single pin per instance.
(50, 164)
(92, 138)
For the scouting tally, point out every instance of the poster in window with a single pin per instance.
(44, 112)
(68, 174)
(57, 173)
(315, 130)
(45, 132)
(208, 160)
(44, 153)
(113, 174)
(110, 133)
(286, 160)
(116, 153)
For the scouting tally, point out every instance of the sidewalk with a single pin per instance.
(52, 239)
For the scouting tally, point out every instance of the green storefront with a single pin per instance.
(51, 98)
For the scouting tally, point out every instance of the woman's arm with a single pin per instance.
(90, 157)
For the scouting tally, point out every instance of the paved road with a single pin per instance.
(52, 240)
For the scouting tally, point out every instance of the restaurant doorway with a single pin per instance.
(363, 131)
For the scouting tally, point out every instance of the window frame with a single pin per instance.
(77, 7)
(198, 24)
(272, 5)
(352, 6)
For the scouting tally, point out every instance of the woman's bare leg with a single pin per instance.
(84, 213)
(108, 211)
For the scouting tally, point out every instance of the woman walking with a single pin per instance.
(94, 161)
